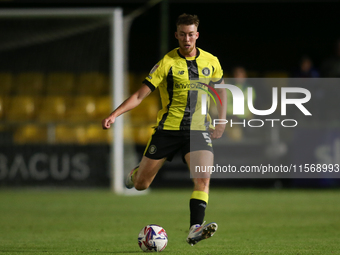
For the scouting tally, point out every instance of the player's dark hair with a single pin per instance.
(187, 19)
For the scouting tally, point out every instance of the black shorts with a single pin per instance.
(166, 143)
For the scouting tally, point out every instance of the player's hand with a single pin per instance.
(217, 132)
(106, 123)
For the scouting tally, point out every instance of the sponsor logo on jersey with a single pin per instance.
(201, 86)
(154, 69)
(181, 72)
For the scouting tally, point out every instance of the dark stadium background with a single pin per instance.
(262, 36)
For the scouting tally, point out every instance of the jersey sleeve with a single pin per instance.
(156, 76)
(217, 75)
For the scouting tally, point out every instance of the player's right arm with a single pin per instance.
(130, 103)
(154, 78)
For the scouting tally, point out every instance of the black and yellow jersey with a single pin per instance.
(178, 79)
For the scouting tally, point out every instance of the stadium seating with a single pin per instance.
(82, 109)
(70, 134)
(53, 109)
(22, 108)
(146, 112)
(103, 107)
(128, 133)
(30, 133)
(6, 83)
(72, 105)
(142, 134)
(93, 83)
(3, 106)
(135, 81)
(60, 84)
(234, 133)
(29, 83)
(96, 134)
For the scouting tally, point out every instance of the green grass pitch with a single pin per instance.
(34, 221)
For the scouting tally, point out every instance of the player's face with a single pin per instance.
(187, 36)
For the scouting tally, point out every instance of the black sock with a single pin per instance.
(197, 211)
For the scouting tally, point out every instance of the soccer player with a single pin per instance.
(173, 75)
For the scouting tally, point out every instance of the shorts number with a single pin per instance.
(206, 137)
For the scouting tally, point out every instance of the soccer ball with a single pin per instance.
(152, 238)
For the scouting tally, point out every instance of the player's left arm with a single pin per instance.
(217, 78)
(222, 113)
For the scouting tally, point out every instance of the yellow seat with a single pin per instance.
(234, 133)
(82, 109)
(29, 83)
(6, 83)
(30, 133)
(142, 134)
(128, 133)
(22, 108)
(3, 106)
(70, 134)
(96, 134)
(60, 84)
(135, 81)
(93, 83)
(53, 108)
(103, 107)
(146, 112)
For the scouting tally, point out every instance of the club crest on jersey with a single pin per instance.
(154, 69)
(206, 71)
(152, 149)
